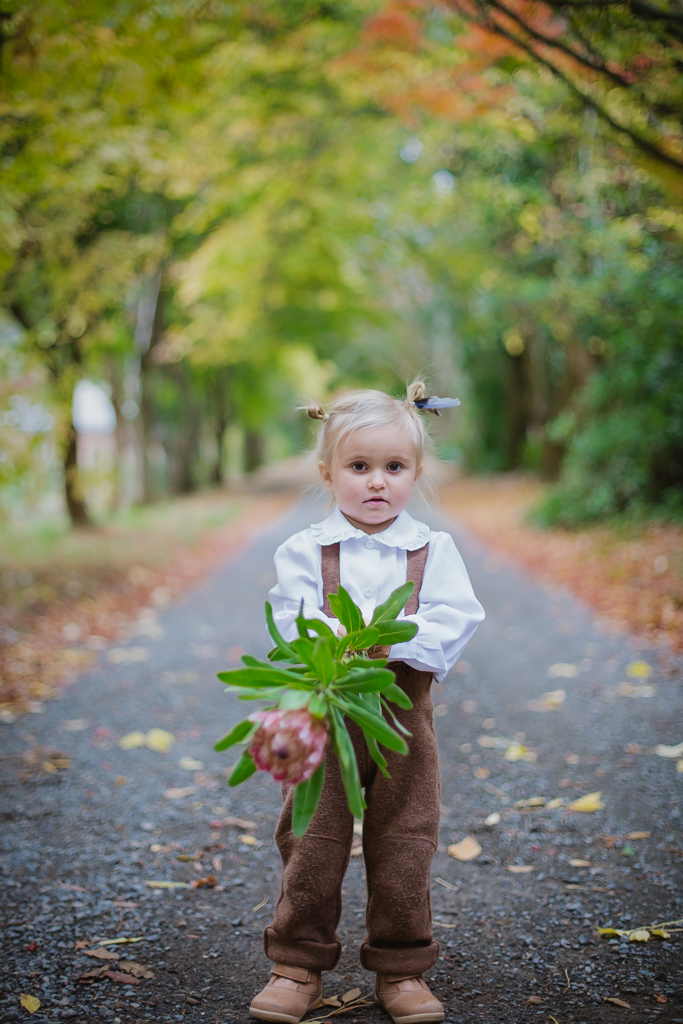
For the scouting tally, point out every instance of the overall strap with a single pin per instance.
(416, 567)
(329, 556)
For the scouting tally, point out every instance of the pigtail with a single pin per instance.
(316, 412)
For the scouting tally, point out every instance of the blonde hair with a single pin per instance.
(356, 410)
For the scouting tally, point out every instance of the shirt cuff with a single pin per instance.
(424, 652)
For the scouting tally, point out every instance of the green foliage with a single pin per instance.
(333, 682)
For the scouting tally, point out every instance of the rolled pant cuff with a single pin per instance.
(396, 961)
(311, 956)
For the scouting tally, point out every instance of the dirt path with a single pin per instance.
(79, 844)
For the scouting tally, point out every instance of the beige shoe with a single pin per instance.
(407, 999)
(289, 995)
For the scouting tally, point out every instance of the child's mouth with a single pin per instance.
(375, 501)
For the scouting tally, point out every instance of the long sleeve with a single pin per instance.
(448, 615)
(297, 564)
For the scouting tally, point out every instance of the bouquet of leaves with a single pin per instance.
(312, 684)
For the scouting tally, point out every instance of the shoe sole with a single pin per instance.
(272, 1015)
(414, 1018)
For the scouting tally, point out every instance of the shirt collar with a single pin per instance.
(405, 532)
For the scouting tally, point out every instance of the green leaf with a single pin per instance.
(392, 631)
(361, 638)
(275, 633)
(277, 655)
(304, 648)
(366, 681)
(317, 706)
(306, 800)
(323, 660)
(238, 734)
(344, 609)
(343, 748)
(399, 725)
(371, 723)
(242, 770)
(395, 603)
(365, 663)
(377, 755)
(321, 628)
(292, 700)
(267, 676)
(397, 695)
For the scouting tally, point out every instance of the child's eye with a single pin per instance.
(358, 466)
(394, 467)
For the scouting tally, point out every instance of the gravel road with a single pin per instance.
(86, 825)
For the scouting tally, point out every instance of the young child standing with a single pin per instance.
(371, 450)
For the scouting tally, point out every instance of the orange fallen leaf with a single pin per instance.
(204, 883)
(123, 979)
(638, 835)
(617, 1002)
(101, 954)
(349, 996)
(660, 997)
(467, 849)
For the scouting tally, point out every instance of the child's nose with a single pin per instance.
(377, 478)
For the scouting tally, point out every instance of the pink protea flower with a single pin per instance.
(288, 744)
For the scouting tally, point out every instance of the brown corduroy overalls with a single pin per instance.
(400, 836)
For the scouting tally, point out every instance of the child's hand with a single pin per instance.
(378, 652)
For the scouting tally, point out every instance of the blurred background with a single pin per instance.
(212, 212)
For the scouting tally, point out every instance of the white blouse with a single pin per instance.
(371, 566)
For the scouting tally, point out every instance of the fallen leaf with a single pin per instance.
(168, 885)
(233, 822)
(32, 947)
(159, 740)
(248, 840)
(663, 751)
(467, 849)
(552, 805)
(260, 906)
(176, 793)
(628, 850)
(636, 690)
(660, 997)
(551, 701)
(446, 885)
(520, 869)
(349, 996)
(89, 976)
(118, 942)
(136, 969)
(189, 764)
(587, 804)
(617, 1002)
(81, 944)
(533, 801)
(123, 979)
(217, 863)
(126, 655)
(131, 740)
(330, 1001)
(120, 780)
(29, 1003)
(534, 999)
(204, 883)
(639, 670)
(639, 935)
(563, 671)
(492, 819)
(679, 766)
(576, 862)
(518, 752)
(482, 773)
(638, 835)
(125, 904)
(101, 953)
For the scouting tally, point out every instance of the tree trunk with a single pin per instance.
(518, 412)
(76, 507)
(253, 450)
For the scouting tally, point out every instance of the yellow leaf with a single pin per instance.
(663, 751)
(248, 840)
(168, 885)
(617, 1002)
(515, 751)
(175, 793)
(467, 849)
(576, 862)
(661, 933)
(679, 766)
(639, 935)
(132, 739)
(160, 740)
(639, 670)
(552, 805)
(492, 819)
(587, 804)
(189, 764)
(611, 931)
(29, 1003)
(520, 869)
(638, 835)
(349, 996)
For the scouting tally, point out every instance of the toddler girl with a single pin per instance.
(371, 451)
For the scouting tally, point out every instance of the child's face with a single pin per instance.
(373, 475)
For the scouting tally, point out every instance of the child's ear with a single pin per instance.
(326, 475)
(418, 472)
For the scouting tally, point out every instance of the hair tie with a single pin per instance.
(316, 412)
